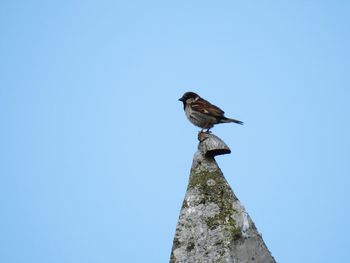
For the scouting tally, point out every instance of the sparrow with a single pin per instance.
(202, 113)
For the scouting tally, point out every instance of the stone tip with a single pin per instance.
(211, 145)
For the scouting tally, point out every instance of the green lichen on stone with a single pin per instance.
(213, 188)
(235, 232)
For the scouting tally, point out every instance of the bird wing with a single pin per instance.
(206, 107)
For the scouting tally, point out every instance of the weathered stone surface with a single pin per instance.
(213, 225)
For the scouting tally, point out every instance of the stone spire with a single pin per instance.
(213, 225)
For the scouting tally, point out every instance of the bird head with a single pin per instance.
(188, 97)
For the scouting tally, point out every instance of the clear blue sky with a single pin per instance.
(95, 150)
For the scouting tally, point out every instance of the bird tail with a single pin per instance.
(226, 120)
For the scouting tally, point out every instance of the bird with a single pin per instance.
(202, 113)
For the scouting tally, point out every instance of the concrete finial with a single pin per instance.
(210, 145)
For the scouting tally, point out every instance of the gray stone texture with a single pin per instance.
(213, 225)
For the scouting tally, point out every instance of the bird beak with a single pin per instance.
(181, 99)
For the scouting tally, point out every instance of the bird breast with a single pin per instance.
(199, 119)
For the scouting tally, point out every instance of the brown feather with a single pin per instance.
(206, 107)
